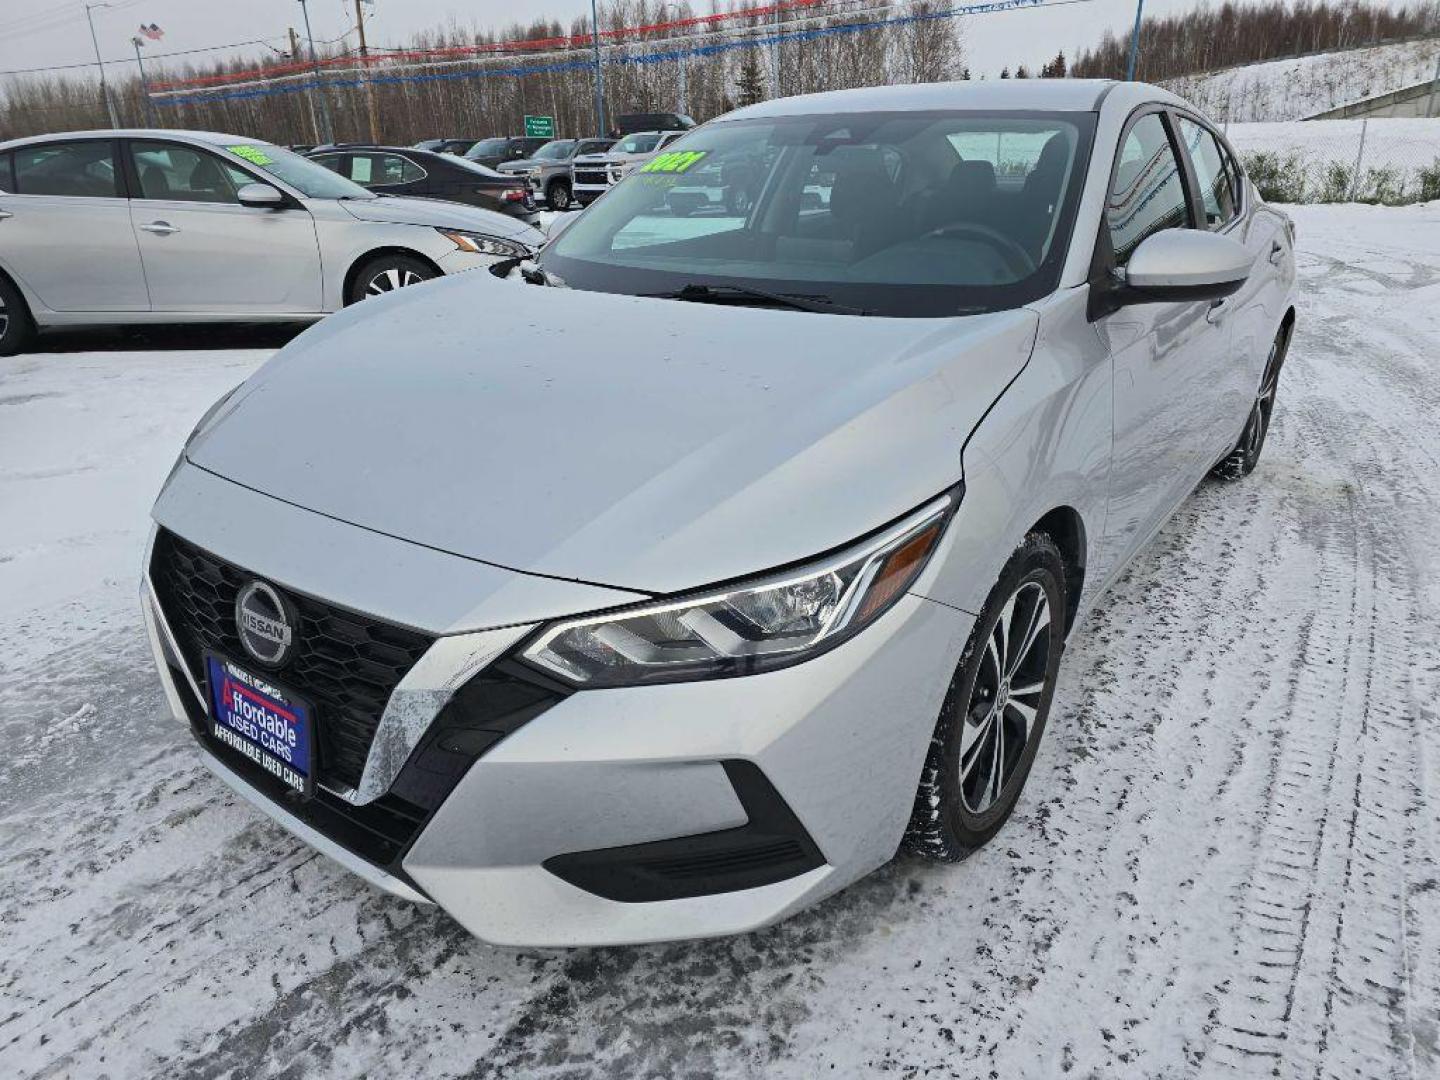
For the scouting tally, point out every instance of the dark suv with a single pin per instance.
(495, 152)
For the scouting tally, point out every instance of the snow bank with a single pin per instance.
(1303, 86)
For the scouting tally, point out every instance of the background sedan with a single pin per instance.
(393, 170)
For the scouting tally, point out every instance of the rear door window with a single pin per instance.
(1219, 183)
(1147, 194)
(383, 169)
(83, 169)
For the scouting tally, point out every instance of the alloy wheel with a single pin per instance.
(1259, 423)
(4, 317)
(391, 279)
(1005, 700)
(559, 198)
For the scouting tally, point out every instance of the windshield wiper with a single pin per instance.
(720, 293)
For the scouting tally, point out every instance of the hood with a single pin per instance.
(489, 419)
(399, 210)
(523, 164)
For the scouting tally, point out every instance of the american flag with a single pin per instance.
(153, 31)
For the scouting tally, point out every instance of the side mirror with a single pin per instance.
(558, 224)
(1184, 264)
(260, 196)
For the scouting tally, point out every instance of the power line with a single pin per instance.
(261, 89)
(153, 56)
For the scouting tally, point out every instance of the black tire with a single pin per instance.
(1241, 461)
(17, 328)
(956, 808)
(557, 195)
(386, 273)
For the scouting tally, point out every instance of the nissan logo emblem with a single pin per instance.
(266, 623)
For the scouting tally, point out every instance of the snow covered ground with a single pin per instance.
(1303, 86)
(1227, 862)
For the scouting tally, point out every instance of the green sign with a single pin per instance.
(540, 127)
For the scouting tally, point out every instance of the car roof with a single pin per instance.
(1040, 95)
(214, 138)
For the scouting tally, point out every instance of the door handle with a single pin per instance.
(1276, 253)
(5, 214)
(160, 228)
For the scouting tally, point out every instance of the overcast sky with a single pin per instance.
(46, 32)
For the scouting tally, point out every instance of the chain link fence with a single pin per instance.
(1382, 160)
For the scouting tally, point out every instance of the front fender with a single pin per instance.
(1044, 445)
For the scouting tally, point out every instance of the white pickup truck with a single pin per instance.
(595, 173)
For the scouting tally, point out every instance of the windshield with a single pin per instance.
(310, 178)
(911, 214)
(487, 148)
(558, 150)
(637, 144)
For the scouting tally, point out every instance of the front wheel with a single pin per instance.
(995, 711)
(1241, 461)
(558, 195)
(386, 273)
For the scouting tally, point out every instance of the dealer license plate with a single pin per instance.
(270, 726)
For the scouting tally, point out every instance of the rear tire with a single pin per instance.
(557, 195)
(1241, 461)
(17, 328)
(995, 711)
(386, 273)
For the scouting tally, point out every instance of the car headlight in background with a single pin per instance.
(534, 173)
(479, 244)
(753, 626)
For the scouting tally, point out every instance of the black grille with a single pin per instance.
(345, 663)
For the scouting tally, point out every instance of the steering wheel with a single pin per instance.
(1015, 256)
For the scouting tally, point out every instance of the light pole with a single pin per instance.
(775, 54)
(144, 83)
(599, 78)
(327, 132)
(1134, 42)
(104, 87)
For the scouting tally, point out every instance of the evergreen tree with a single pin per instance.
(1022, 72)
(1004, 73)
(965, 74)
(750, 84)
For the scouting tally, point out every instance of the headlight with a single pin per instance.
(758, 625)
(479, 244)
(535, 173)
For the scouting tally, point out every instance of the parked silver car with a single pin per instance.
(181, 226)
(678, 632)
(550, 171)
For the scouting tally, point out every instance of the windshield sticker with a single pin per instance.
(252, 155)
(677, 161)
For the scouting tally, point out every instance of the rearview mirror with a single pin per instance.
(260, 196)
(1184, 264)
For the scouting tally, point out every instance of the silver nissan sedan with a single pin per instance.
(602, 638)
(125, 227)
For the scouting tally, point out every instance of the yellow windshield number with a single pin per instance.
(251, 154)
(677, 161)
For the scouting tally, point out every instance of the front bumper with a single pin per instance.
(522, 834)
